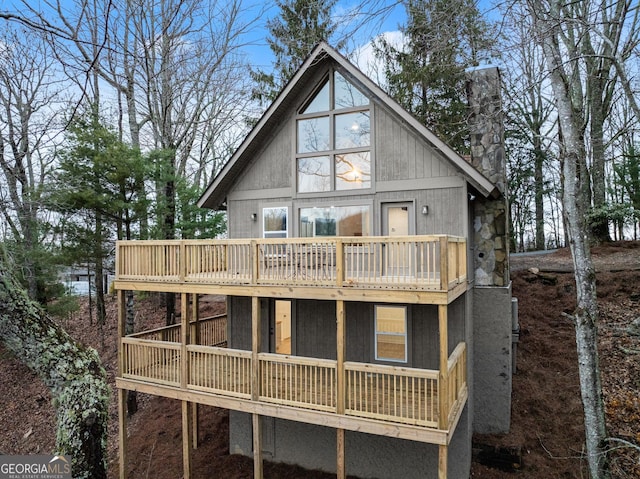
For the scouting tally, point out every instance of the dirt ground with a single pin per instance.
(546, 427)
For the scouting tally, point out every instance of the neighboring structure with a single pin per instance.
(358, 342)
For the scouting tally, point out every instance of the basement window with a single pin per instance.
(391, 333)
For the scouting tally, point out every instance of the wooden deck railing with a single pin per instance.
(409, 262)
(212, 332)
(298, 381)
(457, 378)
(220, 370)
(392, 393)
(385, 393)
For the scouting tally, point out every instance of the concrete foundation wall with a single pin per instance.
(367, 456)
(491, 359)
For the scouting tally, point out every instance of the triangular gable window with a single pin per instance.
(320, 102)
(334, 138)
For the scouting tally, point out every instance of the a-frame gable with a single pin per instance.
(216, 193)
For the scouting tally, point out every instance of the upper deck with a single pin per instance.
(411, 269)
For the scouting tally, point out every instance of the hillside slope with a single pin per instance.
(547, 430)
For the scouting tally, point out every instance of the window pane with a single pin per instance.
(274, 222)
(353, 171)
(313, 135)
(314, 174)
(352, 130)
(320, 102)
(346, 95)
(391, 333)
(390, 319)
(336, 221)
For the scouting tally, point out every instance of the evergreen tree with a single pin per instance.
(292, 36)
(427, 74)
(97, 187)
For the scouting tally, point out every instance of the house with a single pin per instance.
(366, 271)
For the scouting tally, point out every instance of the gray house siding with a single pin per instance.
(402, 155)
(369, 456)
(406, 169)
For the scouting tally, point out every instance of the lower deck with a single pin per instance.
(370, 397)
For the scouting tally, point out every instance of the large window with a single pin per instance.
(274, 222)
(334, 139)
(391, 333)
(334, 221)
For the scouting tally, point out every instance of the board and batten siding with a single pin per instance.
(316, 329)
(401, 154)
(271, 168)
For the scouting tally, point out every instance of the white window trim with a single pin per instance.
(405, 335)
(276, 207)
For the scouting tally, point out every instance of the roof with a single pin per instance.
(215, 195)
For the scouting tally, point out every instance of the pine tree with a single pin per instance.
(96, 189)
(292, 35)
(427, 74)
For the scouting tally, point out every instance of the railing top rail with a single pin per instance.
(397, 370)
(154, 330)
(309, 240)
(456, 354)
(152, 342)
(175, 326)
(306, 361)
(236, 353)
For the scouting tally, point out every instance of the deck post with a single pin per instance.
(341, 471)
(122, 393)
(195, 316)
(444, 264)
(187, 434)
(255, 386)
(442, 461)
(340, 263)
(340, 386)
(257, 446)
(443, 379)
(185, 336)
(122, 432)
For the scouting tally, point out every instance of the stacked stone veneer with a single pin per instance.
(490, 241)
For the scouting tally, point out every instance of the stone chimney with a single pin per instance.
(486, 128)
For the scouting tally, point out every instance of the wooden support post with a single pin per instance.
(341, 470)
(122, 393)
(196, 339)
(194, 424)
(195, 318)
(122, 431)
(340, 263)
(255, 257)
(442, 461)
(185, 331)
(444, 264)
(340, 386)
(257, 446)
(341, 344)
(443, 377)
(255, 348)
(255, 386)
(187, 435)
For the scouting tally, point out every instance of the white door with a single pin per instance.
(397, 220)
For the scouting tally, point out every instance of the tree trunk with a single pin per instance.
(575, 206)
(73, 373)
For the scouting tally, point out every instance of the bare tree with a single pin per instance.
(555, 33)
(28, 126)
(531, 114)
